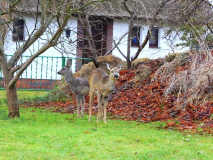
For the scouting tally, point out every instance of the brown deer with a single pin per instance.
(79, 86)
(102, 84)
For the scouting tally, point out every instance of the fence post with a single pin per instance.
(63, 61)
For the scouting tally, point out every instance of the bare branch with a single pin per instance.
(3, 60)
(14, 69)
(142, 46)
(28, 62)
(29, 42)
(119, 50)
(206, 1)
(116, 45)
(153, 20)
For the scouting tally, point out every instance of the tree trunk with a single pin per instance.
(128, 64)
(12, 100)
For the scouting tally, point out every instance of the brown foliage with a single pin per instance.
(110, 59)
(145, 101)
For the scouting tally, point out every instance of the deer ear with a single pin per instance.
(109, 66)
(119, 66)
(69, 62)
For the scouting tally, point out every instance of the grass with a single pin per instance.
(23, 95)
(41, 134)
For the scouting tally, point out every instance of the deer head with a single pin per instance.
(114, 71)
(67, 68)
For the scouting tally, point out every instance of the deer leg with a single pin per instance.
(104, 108)
(91, 94)
(99, 107)
(82, 106)
(78, 104)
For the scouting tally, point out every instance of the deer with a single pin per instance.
(79, 86)
(102, 84)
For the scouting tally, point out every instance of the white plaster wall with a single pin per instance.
(47, 69)
(120, 28)
(43, 68)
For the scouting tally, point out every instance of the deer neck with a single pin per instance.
(69, 77)
(110, 84)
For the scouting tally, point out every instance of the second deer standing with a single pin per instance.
(102, 84)
(79, 86)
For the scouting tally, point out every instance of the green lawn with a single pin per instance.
(41, 134)
(23, 94)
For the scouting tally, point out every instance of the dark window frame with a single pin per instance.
(153, 41)
(68, 32)
(135, 36)
(18, 30)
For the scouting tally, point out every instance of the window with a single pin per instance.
(135, 36)
(153, 41)
(18, 30)
(67, 32)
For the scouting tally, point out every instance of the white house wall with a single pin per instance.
(46, 69)
(120, 28)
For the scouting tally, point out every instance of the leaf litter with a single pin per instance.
(145, 101)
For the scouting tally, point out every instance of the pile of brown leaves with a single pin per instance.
(146, 102)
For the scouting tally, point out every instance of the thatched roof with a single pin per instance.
(173, 10)
(146, 8)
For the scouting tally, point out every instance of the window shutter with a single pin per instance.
(18, 30)
(135, 36)
(153, 41)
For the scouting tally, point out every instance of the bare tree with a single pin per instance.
(45, 12)
(128, 10)
(165, 13)
(85, 23)
(194, 24)
(92, 32)
(133, 18)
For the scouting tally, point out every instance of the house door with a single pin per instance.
(102, 37)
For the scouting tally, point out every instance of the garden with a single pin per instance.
(41, 133)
